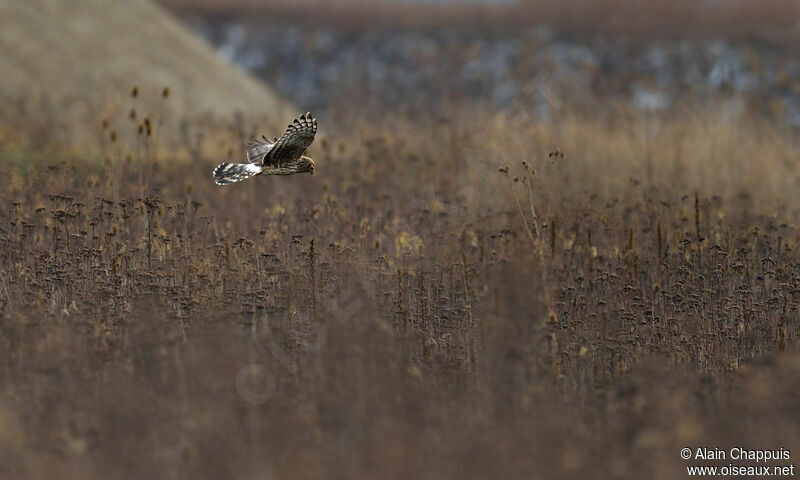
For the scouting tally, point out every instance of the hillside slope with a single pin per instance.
(70, 63)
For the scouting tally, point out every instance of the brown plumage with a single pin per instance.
(281, 156)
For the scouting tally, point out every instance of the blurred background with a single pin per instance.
(544, 239)
(533, 56)
(420, 56)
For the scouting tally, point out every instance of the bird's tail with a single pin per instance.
(227, 173)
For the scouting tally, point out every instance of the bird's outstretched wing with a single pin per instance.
(293, 143)
(257, 148)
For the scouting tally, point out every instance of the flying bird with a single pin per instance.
(280, 156)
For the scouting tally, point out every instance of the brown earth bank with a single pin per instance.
(773, 21)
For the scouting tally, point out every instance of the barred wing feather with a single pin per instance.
(294, 142)
(257, 149)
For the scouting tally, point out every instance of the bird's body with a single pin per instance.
(281, 156)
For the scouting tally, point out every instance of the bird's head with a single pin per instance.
(307, 165)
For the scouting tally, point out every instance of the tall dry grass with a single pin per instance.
(461, 295)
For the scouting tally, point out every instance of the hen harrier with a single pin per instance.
(281, 156)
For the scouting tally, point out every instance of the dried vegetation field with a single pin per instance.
(459, 296)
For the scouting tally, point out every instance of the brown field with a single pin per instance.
(460, 296)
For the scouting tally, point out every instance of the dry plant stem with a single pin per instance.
(536, 243)
(524, 218)
(534, 218)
